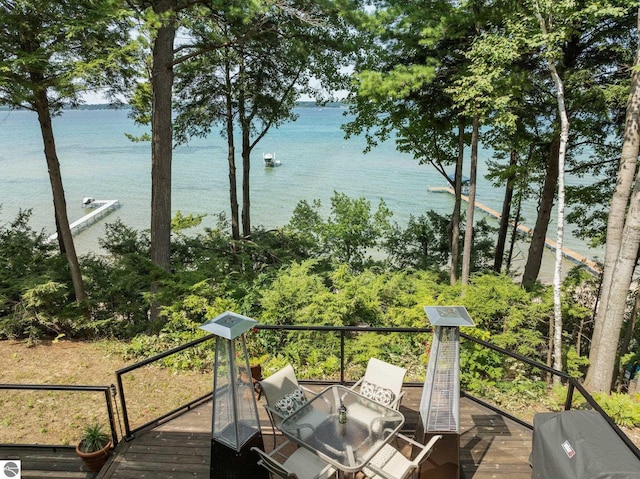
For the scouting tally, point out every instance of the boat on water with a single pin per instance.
(465, 182)
(270, 160)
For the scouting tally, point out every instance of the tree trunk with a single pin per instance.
(467, 250)
(162, 137)
(557, 275)
(161, 147)
(562, 149)
(602, 365)
(536, 247)
(231, 155)
(626, 340)
(506, 213)
(514, 231)
(603, 329)
(245, 125)
(65, 237)
(455, 217)
(246, 190)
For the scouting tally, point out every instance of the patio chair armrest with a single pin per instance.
(396, 402)
(277, 450)
(379, 420)
(357, 383)
(271, 411)
(310, 392)
(426, 448)
(376, 469)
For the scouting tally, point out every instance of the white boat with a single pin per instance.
(270, 159)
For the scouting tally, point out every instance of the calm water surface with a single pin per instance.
(98, 160)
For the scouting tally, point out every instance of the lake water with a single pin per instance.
(97, 160)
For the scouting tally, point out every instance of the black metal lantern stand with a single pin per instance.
(235, 423)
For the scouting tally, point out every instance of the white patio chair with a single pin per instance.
(283, 396)
(390, 463)
(301, 464)
(382, 382)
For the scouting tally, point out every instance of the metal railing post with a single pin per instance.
(123, 405)
(341, 356)
(569, 399)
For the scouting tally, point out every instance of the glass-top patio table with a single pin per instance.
(349, 446)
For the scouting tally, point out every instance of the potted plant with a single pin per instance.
(94, 447)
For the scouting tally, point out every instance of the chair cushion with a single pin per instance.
(378, 394)
(291, 402)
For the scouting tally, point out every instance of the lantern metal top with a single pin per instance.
(448, 316)
(229, 325)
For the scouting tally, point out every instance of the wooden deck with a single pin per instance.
(490, 447)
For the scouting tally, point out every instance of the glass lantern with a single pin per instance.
(235, 422)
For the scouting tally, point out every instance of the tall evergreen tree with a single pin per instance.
(51, 53)
(417, 52)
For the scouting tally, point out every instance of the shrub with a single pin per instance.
(34, 296)
(622, 408)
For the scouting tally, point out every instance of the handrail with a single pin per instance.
(71, 387)
(343, 330)
(572, 383)
(128, 432)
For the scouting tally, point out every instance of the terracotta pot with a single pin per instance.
(93, 461)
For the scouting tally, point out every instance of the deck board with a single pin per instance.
(490, 447)
(49, 462)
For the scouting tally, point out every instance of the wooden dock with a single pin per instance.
(491, 446)
(552, 245)
(102, 208)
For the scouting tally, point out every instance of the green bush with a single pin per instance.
(622, 408)
(34, 296)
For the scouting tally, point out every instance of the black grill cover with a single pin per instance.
(580, 445)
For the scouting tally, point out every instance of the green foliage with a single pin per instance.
(574, 363)
(503, 381)
(270, 278)
(579, 299)
(348, 234)
(303, 295)
(94, 438)
(34, 297)
(64, 48)
(423, 244)
(480, 367)
(181, 222)
(118, 284)
(508, 312)
(622, 408)
(41, 310)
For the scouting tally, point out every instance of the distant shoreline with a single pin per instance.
(126, 106)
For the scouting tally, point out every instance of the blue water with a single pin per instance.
(98, 160)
